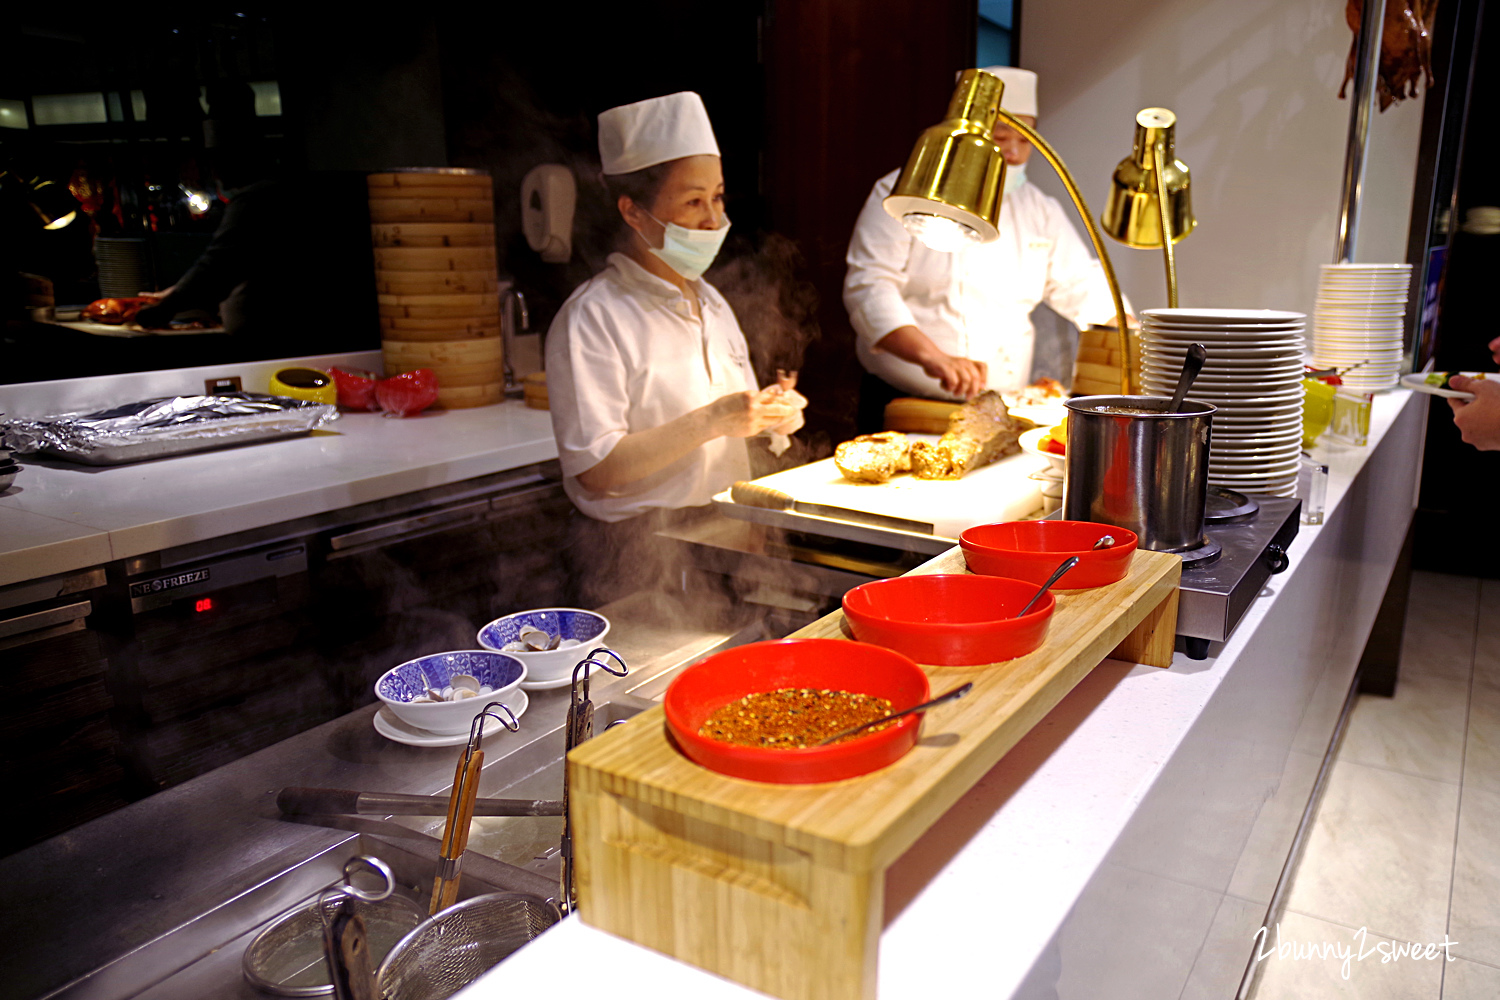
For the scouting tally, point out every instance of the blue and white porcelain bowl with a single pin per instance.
(585, 629)
(397, 687)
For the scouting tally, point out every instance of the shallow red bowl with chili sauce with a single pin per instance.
(835, 664)
(1031, 550)
(949, 619)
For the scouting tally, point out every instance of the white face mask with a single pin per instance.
(1015, 176)
(689, 252)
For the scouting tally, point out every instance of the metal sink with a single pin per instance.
(159, 899)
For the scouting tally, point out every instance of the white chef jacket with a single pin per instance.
(625, 354)
(975, 303)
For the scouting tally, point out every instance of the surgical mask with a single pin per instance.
(689, 252)
(1015, 176)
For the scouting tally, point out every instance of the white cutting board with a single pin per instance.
(1000, 491)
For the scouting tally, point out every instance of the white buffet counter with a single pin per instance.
(59, 516)
(1130, 845)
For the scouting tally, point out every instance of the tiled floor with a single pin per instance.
(1406, 846)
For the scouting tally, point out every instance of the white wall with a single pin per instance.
(1254, 84)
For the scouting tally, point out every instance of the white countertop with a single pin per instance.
(977, 900)
(59, 516)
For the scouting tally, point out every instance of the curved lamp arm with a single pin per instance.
(1127, 365)
(1159, 163)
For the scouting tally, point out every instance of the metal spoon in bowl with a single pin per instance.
(953, 695)
(1191, 366)
(1067, 564)
(1104, 542)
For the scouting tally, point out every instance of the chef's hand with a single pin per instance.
(793, 398)
(963, 377)
(1478, 420)
(156, 316)
(1494, 346)
(960, 376)
(746, 414)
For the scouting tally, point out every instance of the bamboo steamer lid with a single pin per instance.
(463, 397)
(446, 328)
(433, 234)
(456, 177)
(487, 308)
(435, 259)
(479, 189)
(436, 282)
(475, 350)
(439, 209)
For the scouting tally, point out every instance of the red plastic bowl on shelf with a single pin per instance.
(727, 676)
(949, 619)
(1031, 550)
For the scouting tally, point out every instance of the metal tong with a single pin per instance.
(461, 808)
(579, 728)
(346, 945)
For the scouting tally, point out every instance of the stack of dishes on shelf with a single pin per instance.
(1253, 375)
(1358, 322)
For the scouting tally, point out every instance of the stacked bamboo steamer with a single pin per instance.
(436, 277)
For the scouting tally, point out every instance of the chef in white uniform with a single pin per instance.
(651, 389)
(949, 325)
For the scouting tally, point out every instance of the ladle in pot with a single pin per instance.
(1191, 366)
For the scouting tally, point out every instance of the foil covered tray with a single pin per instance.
(172, 425)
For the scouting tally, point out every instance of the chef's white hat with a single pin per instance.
(1020, 89)
(636, 136)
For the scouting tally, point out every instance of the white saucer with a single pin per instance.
(561, 682)
(392, 728)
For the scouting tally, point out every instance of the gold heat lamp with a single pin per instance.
(948, 195)
(1149, 193)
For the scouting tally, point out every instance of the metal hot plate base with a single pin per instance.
(1216, 595)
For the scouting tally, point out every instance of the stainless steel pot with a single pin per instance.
(1145, 471)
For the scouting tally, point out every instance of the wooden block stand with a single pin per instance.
(781, 887)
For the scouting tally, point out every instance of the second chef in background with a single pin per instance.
(649, 376)
(942, 325)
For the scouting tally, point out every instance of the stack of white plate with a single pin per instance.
(1253, 375)
(1358, 323)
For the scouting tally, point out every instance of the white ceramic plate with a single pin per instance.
(392, 728)
(1029, 441)
(1221, 316)
(1251, 337)
(1415, 382)
(1247, 330)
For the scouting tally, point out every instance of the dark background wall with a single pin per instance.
(811, 100)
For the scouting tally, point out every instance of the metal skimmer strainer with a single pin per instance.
(449, 951)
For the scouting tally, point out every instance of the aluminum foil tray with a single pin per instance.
(173, 425)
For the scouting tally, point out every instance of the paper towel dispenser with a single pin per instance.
(549, 195)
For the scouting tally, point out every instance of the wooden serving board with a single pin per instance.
(997, 492)
(780, 887)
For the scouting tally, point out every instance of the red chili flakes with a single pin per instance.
(793, 718)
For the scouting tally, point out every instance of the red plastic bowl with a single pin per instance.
(949, 619)
(1031, 550)
(817, 663)
(409, 393)
(356, 389)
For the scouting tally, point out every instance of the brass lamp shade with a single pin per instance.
(1132, 215)
(950, 189)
